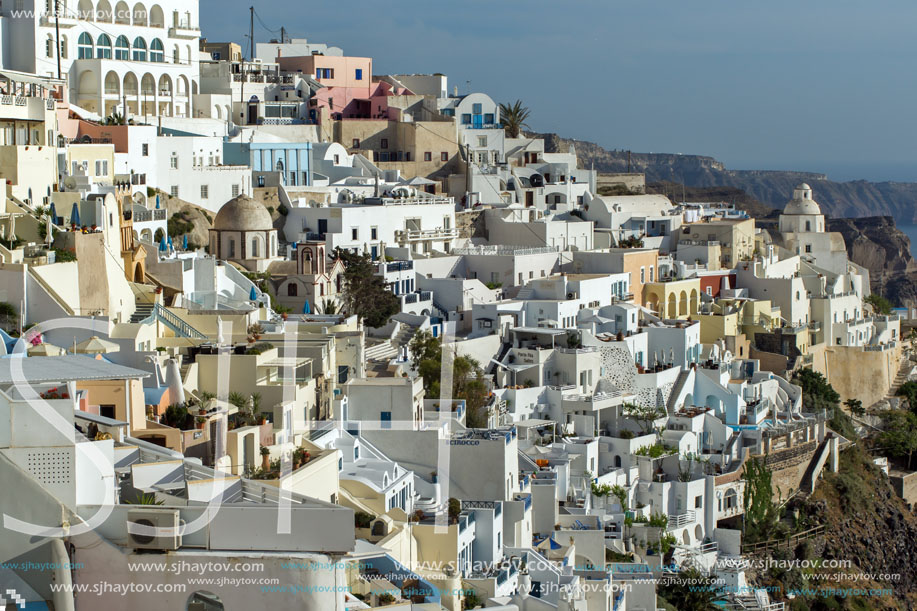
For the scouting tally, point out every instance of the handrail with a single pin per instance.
(174, 322)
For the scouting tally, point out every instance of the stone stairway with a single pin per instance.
(900, 377)
(403, 337)
(141, 312)
(676, 390)
(381, 351)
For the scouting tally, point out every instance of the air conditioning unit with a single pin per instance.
(166, 522)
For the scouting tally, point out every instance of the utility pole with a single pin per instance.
(251, 34)
(57, 37)
(283, 35)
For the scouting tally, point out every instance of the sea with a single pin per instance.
(911, 232)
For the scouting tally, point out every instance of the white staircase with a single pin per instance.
(383, 351)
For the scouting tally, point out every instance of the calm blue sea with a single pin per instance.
(911, 232)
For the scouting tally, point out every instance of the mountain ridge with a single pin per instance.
(856, 198)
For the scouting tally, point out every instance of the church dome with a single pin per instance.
(802, 202)
(243, 213)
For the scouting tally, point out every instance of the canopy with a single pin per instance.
(95, 345)
(45, 350)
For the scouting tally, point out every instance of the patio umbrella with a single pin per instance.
(157, 202)
(95, 345)
(75, 215)
(305, 308)
(53, 212)
(253, 294)
(45, 350)
(163, 245)
(184, 242)
(171, 247)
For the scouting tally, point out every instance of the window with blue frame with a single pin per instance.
(477, 109)
(489, 118)
(386, 418)
(466, 119)
(359, 74)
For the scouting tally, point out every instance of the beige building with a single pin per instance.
(417, 148)
(733, 238)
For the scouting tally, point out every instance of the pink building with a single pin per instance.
(350, 77)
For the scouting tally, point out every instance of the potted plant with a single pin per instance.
(297, 458)
(265, 458)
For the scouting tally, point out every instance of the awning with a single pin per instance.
(24, 77)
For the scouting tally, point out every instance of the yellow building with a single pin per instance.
(673, 299)
(95, 161)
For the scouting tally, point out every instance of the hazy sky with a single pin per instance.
(819, 85)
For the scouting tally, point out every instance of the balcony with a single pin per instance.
(420, 235)
(24, 108)
(396, 266)
(679, 520)
(419, 297)
(184, 29)
(146, 215)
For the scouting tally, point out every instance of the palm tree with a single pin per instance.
(329, 307)
(513, 117)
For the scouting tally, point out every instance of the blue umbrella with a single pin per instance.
(75, 215)
(305, 308)
(171, 247)
(53, 213)
(184, 242)
(163, 245)
(253, 294)
(157, 202)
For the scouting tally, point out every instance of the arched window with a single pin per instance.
(122, 48)
(63, 47)
(254, 253)
(103, 47)
(157, 52)
(292, 291)
(84, 46)
(49, 47)
(139, 50)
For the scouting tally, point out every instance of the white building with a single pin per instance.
(418, 224)
(191, 168)
(142, 56)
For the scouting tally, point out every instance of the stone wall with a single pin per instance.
(905, 484)
(470, 224)
(857, 374)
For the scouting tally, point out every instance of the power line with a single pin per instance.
(263, 25)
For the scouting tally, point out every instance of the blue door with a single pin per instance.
(478, 121)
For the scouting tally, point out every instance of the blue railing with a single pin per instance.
(399, 266)
(177, 325)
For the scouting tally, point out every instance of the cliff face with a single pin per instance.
(773, 188)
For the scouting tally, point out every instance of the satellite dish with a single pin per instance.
(69, 183)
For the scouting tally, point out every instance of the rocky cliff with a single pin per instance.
(774, 188)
